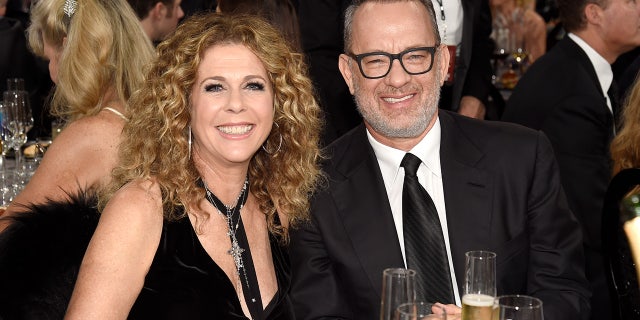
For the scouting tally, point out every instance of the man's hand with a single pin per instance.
(472, 107)
(453, 312)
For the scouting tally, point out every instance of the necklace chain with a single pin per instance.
(235, 251)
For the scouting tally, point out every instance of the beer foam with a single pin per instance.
(477, 300)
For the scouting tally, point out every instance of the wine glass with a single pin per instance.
(398, 287)
(517, 307)
(420, 311)
(17, 121)
(479, 289)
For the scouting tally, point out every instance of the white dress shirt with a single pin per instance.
(602, 67)
(430, 177)
(451, 27)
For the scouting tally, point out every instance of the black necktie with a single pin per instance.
(423, 239)
(615, 103)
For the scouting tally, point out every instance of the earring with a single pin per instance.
(189, 142)
(279, 144)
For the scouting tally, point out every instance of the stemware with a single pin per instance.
(517, 307)
(17, 121)
(479, 288)
(398, 287)
(420, 311)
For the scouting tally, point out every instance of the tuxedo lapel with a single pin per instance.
(468, 191)
(576, 53)
(363, 204)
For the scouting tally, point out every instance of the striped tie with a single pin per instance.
(423, 240)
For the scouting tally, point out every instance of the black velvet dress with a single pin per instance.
(185, 283)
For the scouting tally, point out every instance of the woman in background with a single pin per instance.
(625, 146)
(97, 51)
(526, 28)
(214, 170)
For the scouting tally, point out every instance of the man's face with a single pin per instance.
(398, 105)
(620, 27)
(169, 22)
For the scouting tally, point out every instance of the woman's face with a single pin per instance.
(52, 53)
(232, 105)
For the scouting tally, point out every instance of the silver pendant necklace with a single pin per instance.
(232, 217)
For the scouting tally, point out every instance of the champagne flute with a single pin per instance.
(479, 286)
(398, 287)
(420, 311)
(518, 307)
(17, 122)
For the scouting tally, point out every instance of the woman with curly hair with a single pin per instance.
(214, 170)
(625, 147)
(96, 51)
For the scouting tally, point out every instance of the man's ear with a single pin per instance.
(344, 62)
(158, 11)
(593, 13)
(442, 65)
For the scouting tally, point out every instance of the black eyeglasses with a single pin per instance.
(375, 65)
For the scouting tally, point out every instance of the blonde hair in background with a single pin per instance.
(625, 147)
(155, 143)
(102, 47)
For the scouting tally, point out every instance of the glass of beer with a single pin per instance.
(420, 311)
(479, 289)
(398, 287)
(518, 307)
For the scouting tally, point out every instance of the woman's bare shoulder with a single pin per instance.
(141, 196)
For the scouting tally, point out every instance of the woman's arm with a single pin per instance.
(119, 254)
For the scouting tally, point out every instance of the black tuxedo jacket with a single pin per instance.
(502, 193)
(560, 95)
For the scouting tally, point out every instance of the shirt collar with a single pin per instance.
(600, 64)
(428, 150)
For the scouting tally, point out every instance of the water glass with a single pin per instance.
(479, 288)
(420, 311)
(398, 287)
(15, 84)
(7, 188)
(518, 307)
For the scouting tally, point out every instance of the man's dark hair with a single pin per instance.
(572, 15)
(143, 7)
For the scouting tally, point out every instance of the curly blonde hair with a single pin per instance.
(625, 147)
(102, 47)
(155, 143)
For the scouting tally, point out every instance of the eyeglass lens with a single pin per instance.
(413, 62)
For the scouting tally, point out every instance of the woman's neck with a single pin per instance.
(225, 184)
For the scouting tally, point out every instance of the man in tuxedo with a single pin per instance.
(494, 186)
(159, 18)
(566, 94)
(465, 25)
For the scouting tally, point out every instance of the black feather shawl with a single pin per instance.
(40, 255)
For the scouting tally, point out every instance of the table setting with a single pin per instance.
(479, 297)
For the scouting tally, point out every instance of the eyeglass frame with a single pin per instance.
(397, 56)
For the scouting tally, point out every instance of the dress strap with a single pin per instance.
(118, 113)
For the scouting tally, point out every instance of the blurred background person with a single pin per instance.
(17, 61)
(280, 13)
(158, 18)
(321, 32)
(96, 53)
(223, 154)
(526, 29)
(570, 95)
